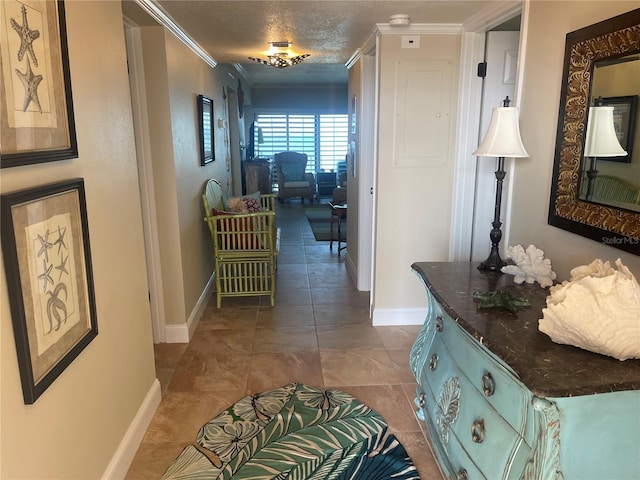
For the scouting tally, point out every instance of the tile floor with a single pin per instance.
(318, 333)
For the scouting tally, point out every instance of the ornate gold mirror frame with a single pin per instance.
(618, 227)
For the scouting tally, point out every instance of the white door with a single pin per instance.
(501, 55)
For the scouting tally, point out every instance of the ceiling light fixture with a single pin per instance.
(280, 59)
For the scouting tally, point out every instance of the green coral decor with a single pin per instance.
(295, 432)
(500, 299)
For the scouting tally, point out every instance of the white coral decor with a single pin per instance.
(530, 266)
(597, 310)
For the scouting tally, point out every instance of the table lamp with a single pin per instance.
(502, 140)
(601, 141)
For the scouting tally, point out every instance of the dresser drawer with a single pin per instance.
(492, 379)
(459, 411)
(451, 455)
(420, 348)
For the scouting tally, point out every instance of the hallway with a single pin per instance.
(318, 333)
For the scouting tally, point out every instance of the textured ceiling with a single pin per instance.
(330, 30)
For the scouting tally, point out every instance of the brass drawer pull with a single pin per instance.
(439, 324)
(477, 431)
(488, 384)
(421, 401)
(433, 362)
(462, 474)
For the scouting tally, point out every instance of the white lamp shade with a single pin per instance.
(601, 140)
(503, 135)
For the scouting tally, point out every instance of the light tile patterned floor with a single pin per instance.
(318, 333)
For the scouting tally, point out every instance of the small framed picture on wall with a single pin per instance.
(205, 129)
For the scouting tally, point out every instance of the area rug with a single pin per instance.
(296, 432)
(319, 217)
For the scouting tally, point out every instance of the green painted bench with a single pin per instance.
(245, 246)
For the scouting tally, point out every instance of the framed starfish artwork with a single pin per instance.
(45, 244)
(36, 108)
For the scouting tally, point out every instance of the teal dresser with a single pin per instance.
(500, 400)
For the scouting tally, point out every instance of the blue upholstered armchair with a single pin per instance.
(293, 181)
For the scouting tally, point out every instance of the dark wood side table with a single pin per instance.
(339, 211)
(258, 176)
(326, 181)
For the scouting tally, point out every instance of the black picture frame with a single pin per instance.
(625, 112)
(37, 121)
(45, 244)
(205, 129)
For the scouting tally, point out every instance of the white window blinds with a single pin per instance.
(322, 137)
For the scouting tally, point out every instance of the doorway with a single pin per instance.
(473, 207)
(145, 177)
(499, 82)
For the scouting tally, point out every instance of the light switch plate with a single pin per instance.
(410, 41)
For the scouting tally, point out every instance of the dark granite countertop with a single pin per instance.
(548, 369)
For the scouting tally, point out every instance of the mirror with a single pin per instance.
(598, 59)
(615, 180)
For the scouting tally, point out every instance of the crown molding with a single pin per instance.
(163, 18)
(419, 29)
(354, 58)
(241, 70)
(369, 45)
(493, 16)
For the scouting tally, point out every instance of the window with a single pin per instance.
(324, 138)
(334, 139)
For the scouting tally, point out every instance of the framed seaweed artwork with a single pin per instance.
(45, 243)
(36, 108)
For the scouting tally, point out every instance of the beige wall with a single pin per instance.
(74, 428)
(413, 200)
(175, 76)
(548, 23)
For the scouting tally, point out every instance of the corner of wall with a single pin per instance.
(398, 316)
(182, 332)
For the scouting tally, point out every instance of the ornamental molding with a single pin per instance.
(447, 408)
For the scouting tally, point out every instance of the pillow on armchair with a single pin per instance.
(292, 172)
(249, 203)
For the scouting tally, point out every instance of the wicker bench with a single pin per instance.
(607, 187)
(245, 246)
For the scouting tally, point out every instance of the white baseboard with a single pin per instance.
(398, 316)
(176, 333)
(122, 458)
(352, 270)
(182, 332)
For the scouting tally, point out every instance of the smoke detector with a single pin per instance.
(399, 19)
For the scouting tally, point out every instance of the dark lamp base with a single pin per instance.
(493, 263)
